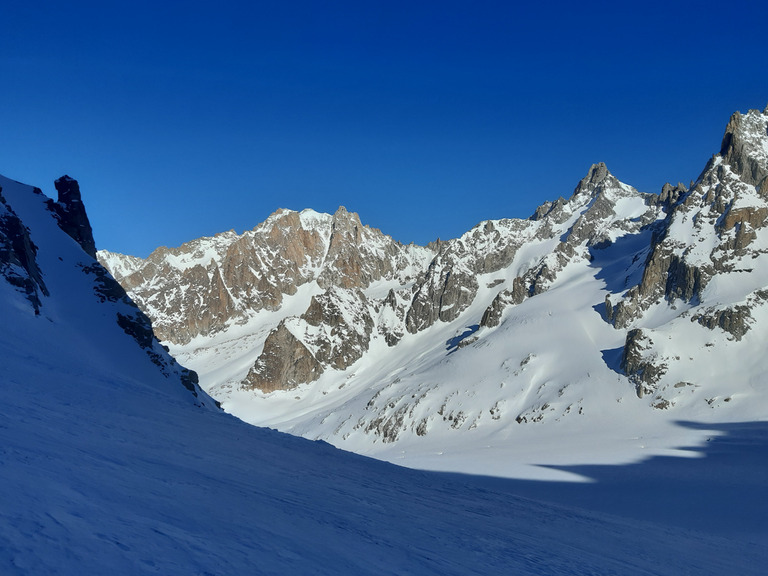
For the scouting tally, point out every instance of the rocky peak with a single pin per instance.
(286, 230)
(358, 255)
(745, 148)
(71, 214)
(670, 195)
(595, 193)
(709, 227)
(599, 221)
(597, 175)
(597, 181)
(293, 241)
(344, 261)
(345, 227)
(710, 231)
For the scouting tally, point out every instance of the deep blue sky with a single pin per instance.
(183, 119)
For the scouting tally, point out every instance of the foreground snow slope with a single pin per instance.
(111, 466)
(101, 474)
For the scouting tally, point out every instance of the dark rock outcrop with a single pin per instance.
(71, 214)
(734, 320)
(390, 322)
(445, 294)
(671, 195)
(53, 224)
(548, 209)
(640, 365)
(283, 364)
(683, 281)
(504, 299)
(335, 332)
(346, 315)
(18, 256)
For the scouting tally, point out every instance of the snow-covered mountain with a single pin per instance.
(613, 307)
(114, 461)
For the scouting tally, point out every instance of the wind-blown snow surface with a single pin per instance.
(102, 474)
(108, 466)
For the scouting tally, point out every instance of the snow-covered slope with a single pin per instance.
(605, 318)
(114, 462)
(64, 300)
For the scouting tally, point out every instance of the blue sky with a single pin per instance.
(183, 119)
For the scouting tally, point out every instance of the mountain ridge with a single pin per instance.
(114, 460)
(634, 293)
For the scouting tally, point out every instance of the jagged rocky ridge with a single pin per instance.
(664, 263)
(209, 285)
(28, 221)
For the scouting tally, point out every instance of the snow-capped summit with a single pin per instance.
(212, 284)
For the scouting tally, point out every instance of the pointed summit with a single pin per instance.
(597, 179)
(597, 173)
(745, 147)
(71, 213)
(345, 227)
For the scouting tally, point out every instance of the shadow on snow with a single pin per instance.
(722, 489)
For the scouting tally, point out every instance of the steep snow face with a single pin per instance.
(110, 465)
(62, 302)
